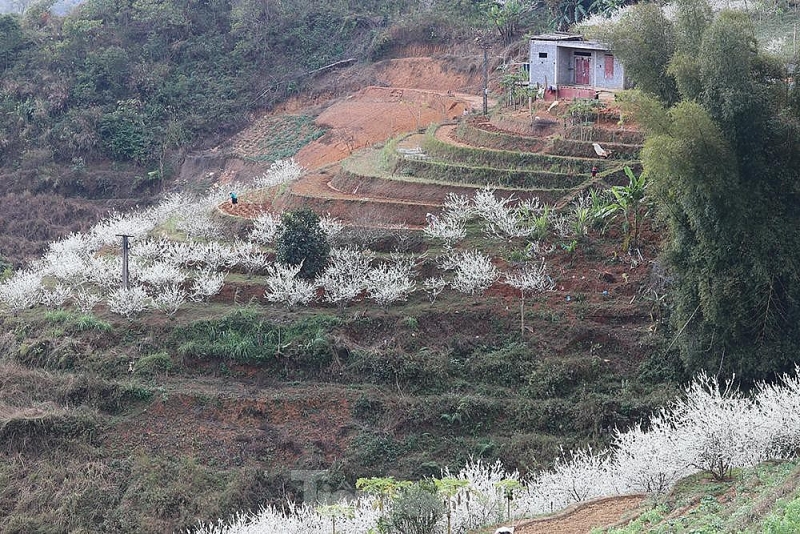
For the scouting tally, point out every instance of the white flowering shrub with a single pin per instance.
(475, 272)
(85, 300)
(265, 229)
(149, 250)
(159, 274)
(480, 503)
(105, 272)
(283, 285)
(212, 254)
(207, 283)
(531, 278)
(69, 267)
(21, 290)
(433, 286)
(722, 427)
(280, 172)
(581, 475)
(169, 298)
(390, 282)
(779, 405)
(199, 225)
(652, 460)
(128, 302)
(170, 205)
(345, 276)
(330, 226)
(458, 208)
(56, 296)
(501, 218)
(247, 256)
(108, 231)
(450, 230)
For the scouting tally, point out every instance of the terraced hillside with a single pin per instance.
(398, 183)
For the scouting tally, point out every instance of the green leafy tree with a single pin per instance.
(644, 39)
(416, 511)
(449, 487)
(724, 171)
(506, 17)
(302, 241)
(12, 40)
(628, 201)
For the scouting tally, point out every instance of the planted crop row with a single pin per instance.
(473, 135)
(604, 135)
(506, 160)
(584, 149)
(555, 183)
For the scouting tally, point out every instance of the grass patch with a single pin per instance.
(245, 336)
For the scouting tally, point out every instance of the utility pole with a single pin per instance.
(485, 46)
(483, 41)
(125, 247)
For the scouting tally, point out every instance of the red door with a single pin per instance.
(582, 76)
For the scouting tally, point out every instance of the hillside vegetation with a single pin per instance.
(222, 381)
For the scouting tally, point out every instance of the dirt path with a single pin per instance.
(582, 518)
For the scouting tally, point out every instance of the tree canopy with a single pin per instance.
(722, 162)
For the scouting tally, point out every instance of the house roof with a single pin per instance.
(570, 40)
(557, 36)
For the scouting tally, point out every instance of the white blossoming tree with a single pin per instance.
(129, 302)
(280, 172)
(265, 229)
(283, 285)
(344, 279)
(206, 284)
(389, 282)
(475, 272)
(529, 279)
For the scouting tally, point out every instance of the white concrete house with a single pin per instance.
(567, 66)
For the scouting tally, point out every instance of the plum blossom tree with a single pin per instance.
(56, 296)
(577, 476)
(475, 272)
(433, 286)
(21, 290)
(105, 272)
(529, 279)
(391, 281)
(169, 298)
(449, 230)
(247, 256)
(85, 299)
(280, 172)
(283, 285)
(652, 460)
(128, 302)
(449, 225)
(265, 229)
(160, 274)
(107, 231)
(331, 226)
(502, 219)
(207, 283)
(345, 276)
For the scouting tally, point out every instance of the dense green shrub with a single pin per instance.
(301, 241)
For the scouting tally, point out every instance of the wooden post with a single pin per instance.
(125, 246)
(485, 47)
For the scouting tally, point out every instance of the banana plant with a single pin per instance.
(629, 201)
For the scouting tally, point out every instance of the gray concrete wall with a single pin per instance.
(566, 66)
(543, 69)
(617, 81)
(558, 68)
